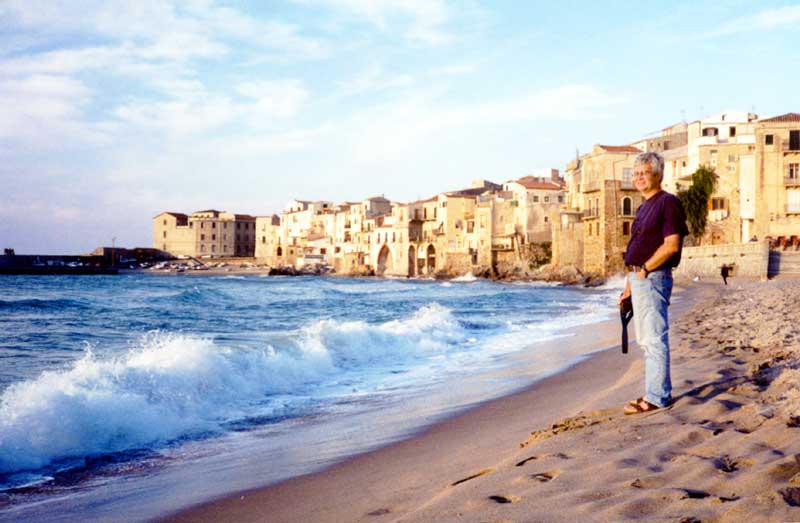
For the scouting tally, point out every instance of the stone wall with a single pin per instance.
(568, 245)
(747, 259)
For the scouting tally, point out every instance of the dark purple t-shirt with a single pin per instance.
(658, 217)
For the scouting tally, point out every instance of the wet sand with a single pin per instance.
(562, 450)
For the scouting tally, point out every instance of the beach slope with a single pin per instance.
(562, 450)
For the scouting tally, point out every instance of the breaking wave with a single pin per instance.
(172, 386)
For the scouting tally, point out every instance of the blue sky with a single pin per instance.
(113, 111)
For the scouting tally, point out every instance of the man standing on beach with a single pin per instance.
(652, 252)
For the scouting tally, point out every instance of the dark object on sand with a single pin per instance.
(625, 315)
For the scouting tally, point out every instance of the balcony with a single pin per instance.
(788, 181)
(787, 147)
(627, 185)
(590, 186)
(590, 213)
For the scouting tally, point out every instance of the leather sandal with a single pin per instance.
(640, 407)
(637, 400)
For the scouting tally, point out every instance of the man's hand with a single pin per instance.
(626, 293)
(641, 275)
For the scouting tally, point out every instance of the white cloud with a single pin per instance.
(395, 129)
(374, 79)
(46, 110)
(281, 99)
(762, 21)
(160, 29)
(428, 17)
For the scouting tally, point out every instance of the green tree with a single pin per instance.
(695, 199)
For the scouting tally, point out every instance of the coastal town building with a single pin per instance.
(584, 217)
(604, 199)
(777, 185)
(205, 233)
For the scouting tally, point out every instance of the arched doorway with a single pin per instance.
(412, 262)
(384, 260)
(431, 260)
(279, 252)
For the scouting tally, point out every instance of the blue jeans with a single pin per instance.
(650, 297)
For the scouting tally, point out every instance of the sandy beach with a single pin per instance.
(562, 450)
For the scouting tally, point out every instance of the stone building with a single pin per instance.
(208, 233)
(777, 184)
(609, 206)
(537, 200)
(269, 240)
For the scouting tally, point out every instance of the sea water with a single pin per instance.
(112, 387)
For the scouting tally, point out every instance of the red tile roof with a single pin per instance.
(620, 148)
(243, 217)
(531, 182)
(788, 117)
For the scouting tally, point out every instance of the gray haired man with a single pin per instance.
(652, 252)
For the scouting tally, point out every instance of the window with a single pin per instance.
(768, 139)
(224, 225)
(710, 131)
(794, 140)
(202, 225)
(535, 199)
(793, 172)
(731, 131)
(213, 225)
(626, 228)
(263, 239)
(165, 234)
(323, 251)
(627, 207)
(718, 204)
(444, 204)
(238, 225)
(560, 199)
(627, 177)
(731, 158)
(213, 248)
(202, 237)
(546, 199)
(165, 221)
(545, 219)
(597, 229)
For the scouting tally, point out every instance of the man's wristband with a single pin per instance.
(646, 271)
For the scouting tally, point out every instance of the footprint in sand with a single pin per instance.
(545, 477)
(476, 475)
(505, 499)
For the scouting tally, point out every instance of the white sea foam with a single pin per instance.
(466, 277)
(174, 385)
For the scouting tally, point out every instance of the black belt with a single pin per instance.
(637, 268)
